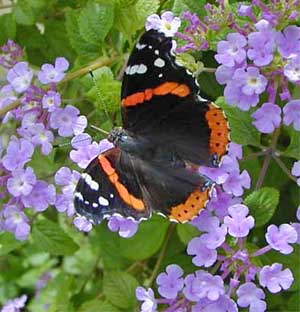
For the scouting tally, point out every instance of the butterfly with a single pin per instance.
(168, 132)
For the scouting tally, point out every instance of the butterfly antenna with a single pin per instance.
(102, 103)
(99, 129)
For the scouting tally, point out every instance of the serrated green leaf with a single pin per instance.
(147, 241)
(8, 243)
(107, 91)
(49, 237)
(186, 232)
(145, 8)
(78, 43)
(95, 21)
(262, 204)
(57, 43)
(242, 130)
(24, 13)
(8, 28)
(119, 288)
(293, 150)
(97, 305)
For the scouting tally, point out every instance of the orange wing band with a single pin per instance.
(113, 177)
(174, 88)
(219, 136)
(191, 207)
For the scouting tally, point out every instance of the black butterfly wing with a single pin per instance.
(161, 101)
(118, 183)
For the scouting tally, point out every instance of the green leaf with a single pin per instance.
(8, 28)
(78, 43)
(186, 232)
(240, 122)
(147, 241)
(24, 13)
(145, 8)
(189, 5)
(293, 150)
(49, 237)
(57, 43)
(8, 243)
(294, 302)
(119, 288)
(95, 21)
(262, 204)
(107, 91)
(97, 305)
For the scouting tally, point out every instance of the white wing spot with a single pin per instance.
(142, 69)
(90, 182)
(103, 201)
(79, 196)
(133, 69)
(127, 70)
(159, 62)
(111, 195)
(150, 47)
(86, 202)
(156, 52)
(95, 205)
(140, 46)
(160, 75)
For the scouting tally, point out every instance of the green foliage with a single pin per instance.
(8, 28)
(119, 287)
(49, 237)
(8, 243)
(262, 204)
(186, 232)
(242, 130)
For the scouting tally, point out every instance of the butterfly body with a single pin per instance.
(168, 132)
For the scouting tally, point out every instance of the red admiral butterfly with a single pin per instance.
(168, 132)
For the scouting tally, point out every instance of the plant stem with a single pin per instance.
(100, 62)
(282, 165)
(161, 254)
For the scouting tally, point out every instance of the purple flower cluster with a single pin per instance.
(38, 117)
(236, 263)
(246, 81)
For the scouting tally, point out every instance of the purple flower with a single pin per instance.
(167, 23)
(42, 137)
(237, 222)
(261, 44)
(18, 153)
(126, 227)
(235, 150)
(50, 73)
(203, 285)
(274, 278)
(250, 80)
(86, 151)
(7, 95)
(41, 197)
(292, 69)
(67, 179)
(217, 175)
(65, 203)
(20, 77)
(203, 256)
(170, 283)
(288, 42)
(236, 182)
(291, 113)
(14, 305)
(82, 224)
(21, 182)
(67, 122)
(220, 201)
(147, 296)
(231, 51)
(280, 237)
(268, 117)
(223, 304)
(224, 73)
(15, 221)
(51, 100)
(246, 10)
(251, 296)
(296, 172)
